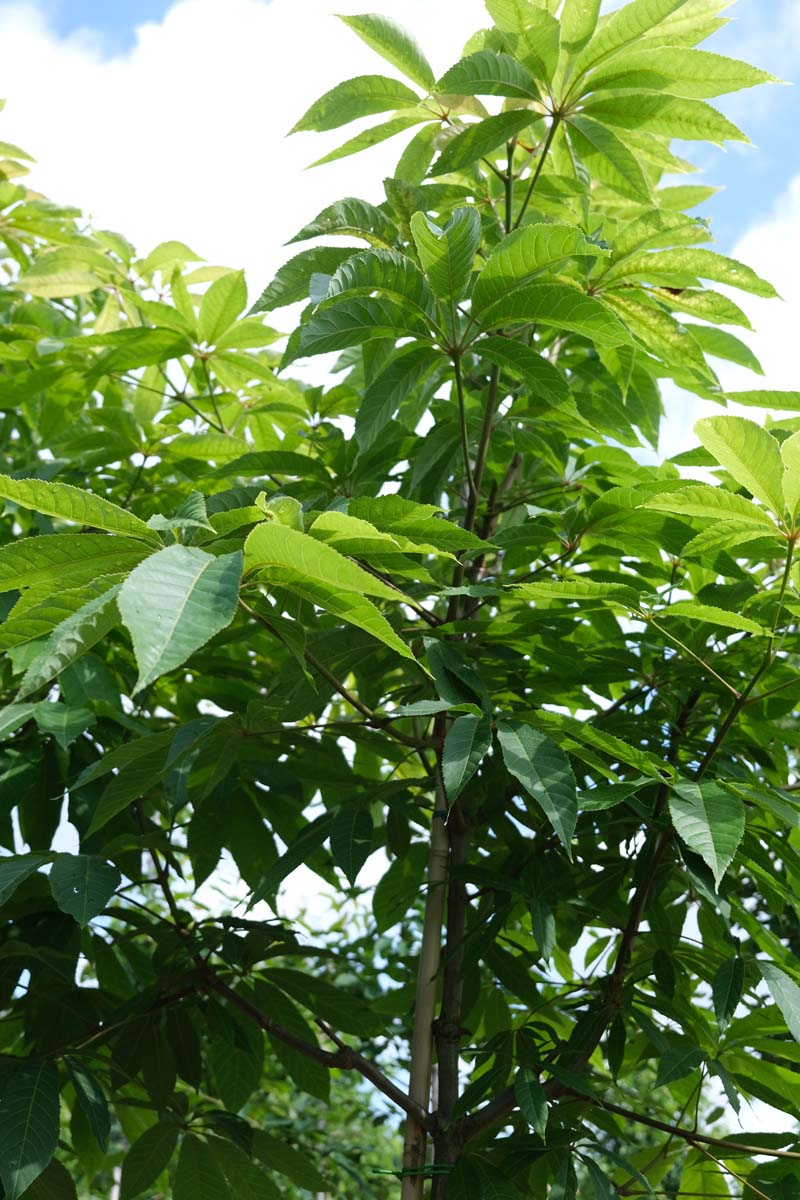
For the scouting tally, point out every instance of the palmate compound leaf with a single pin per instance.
(524, 254)
(785, 993)
(176, 601)
(29, 1125)
(82, 885)
(73, 504)
(710, 820)
(294, 560)
(544, 771)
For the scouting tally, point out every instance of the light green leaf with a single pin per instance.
(14, 870)
(447, 254)
(82, 885)
(780, 401)
(682, 266)
(488, 74)
(147, 1158)
(662, 335)
(559, 305)
(710, 820)
(199, 1174)
(543, 769)
(466, 743)
(292, 280)
(358, 97)
(624, 26)
(727, 989)
(375, 135)
(72, 504)
(531, 32)
(749, 453)
(609, 158)
(351, 840)
(66, 560)
(687, 610)
(221, 305)
(528, 252)
(350, 218)
(543, 380)
(725, 535)
(714, 503)
(29, 1126)
(578, 23)
(392, 42)
(384, 395)
(422, 523)
(785, 993)
(174, 602)
(271, 549)
(12, 716)
(667, 116)
(532, 1101)
(70, 640)
(790, 455)
(480, 139)
(588, 590)
(62, 721)
(681, 71)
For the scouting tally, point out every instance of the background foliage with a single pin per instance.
(440, 610)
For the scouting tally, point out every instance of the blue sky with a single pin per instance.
(114, 20)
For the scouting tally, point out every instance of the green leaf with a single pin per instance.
(578, 23)
(488, 74)
(688, 610)
(786, 994)
(455, 681)
(480, 139)
(64, 722)
(72, 504)
(174, 602)
(147, 1158)
(221, 305)
(70, 640)
(710, 820)
(782, 401)
(543, 769)
(608, 157)
(714, 503)
(54, 1183)
(468, 740)
(581, 590)
(624, 26)
(447, 254)
(420, 522)
(790, 455)
(353, 321)
(681, 1058)
(12, 716)
(351, 841)
(375, 135)
(602, 1185)
(531, 32)
(749, 453)
(473, 1179)
(29, 1128)
(682, 266)
(667, 116)
(297, 853)
(199, 1174)
(559, 305)
(727, 989)
(66, 560)
(82, 885)
(279, 1156)
(383, 397)
(291, 283)
(14, 870)
(287, 558)
(350, 218)
(681, 71)
(398, 888)
(525, 253)
(544, 381)
(91, 1100)
(387, 272)
(358, 97)
(393, 44)
(532, 1101)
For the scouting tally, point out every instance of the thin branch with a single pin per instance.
(551, 133)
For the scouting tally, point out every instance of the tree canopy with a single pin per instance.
(441, 611)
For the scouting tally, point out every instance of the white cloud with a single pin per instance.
(184, 136)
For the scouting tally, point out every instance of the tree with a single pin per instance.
(438, 610)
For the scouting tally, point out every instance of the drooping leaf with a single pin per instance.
(557, 304)
(29, 1125)
(174, 602)
(467, 741)
(82, 885)
(543, 769)
(91, 1100)
(15, 869)
(727, 989)
(785, 993)
(292, 280)
(531, 1098)
(351, 841)
(199, 1174)
(710, 820)
(607, 155)
(147, 1158)
(541, 377)
(355, 320)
